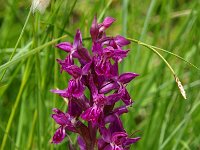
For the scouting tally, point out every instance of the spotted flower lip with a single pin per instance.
(60, 117)
(115, 136)
(94, 89)
(59, 135)
(65, 122)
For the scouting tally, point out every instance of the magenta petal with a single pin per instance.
(94, 30)
(115, 123)
(130, 141)
(127, 77)
(74, 70)
(108, 21)
(77, 40)
(113, 98)
(75, 88)
(66, 46)
(120, 110)
(83, 55)
(86, 68)
(81, 143)
(97, 48)
(68, 61)
(74, 109)
(101, 144)
(57, 111)
(125, 96)
(120, 54)
(121, 41)
(109, 147)
(117, 135)
(60, 117)
(58, 91)
(105, 133)
(107, 87)
(59, 135)
(91, 114)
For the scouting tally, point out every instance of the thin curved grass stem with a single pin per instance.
(180, 86)
(18, 41)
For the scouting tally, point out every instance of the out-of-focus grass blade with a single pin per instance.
(195, 106)
(30, 53)
(10, 120)
(104, 10)
(145, 27)
(18, 41)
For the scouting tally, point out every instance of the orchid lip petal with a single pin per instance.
(59, 135)
(92, 114)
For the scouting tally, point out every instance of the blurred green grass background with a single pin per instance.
(166, 121)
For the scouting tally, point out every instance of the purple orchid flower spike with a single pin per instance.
(93, 90)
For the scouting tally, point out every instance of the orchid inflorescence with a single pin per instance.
(98, 72)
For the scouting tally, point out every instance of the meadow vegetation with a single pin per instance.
(160, 115)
